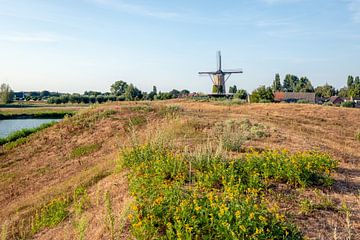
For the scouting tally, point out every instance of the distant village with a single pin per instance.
(291, 90)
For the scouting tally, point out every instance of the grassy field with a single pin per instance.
(188, 170)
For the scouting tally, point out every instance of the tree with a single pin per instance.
(6, 94)
(304, 85)
(357, 80)
(119, 88)
(44, 94)
(325, 91)
(350, 81)
(354, 91)
(277, 83)
(262, 94)
(132, 93)
(241, 94)
(233, 89)
(343, 92)
(175, 93)
(287, 84)
(154, 90)
(184, 92)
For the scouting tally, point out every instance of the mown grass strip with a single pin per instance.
(24, 133)
(208, 197)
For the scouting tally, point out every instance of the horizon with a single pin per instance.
(77, 46)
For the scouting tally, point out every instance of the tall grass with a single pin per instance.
(208, 197)
(24, 133)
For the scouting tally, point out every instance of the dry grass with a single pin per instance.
(41, 169)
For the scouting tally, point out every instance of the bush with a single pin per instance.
(208, 197)
(347, 104)
(262, 94)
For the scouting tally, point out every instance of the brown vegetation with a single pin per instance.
(46, 167)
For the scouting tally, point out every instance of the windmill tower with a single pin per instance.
(220, 77)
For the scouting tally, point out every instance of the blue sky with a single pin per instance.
(78, 45)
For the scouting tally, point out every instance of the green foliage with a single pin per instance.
(81, 200)
(354, 90)
(262, 94)
(347, 104)
(293, 84)
(233, 89)
(84, 150)
(24, 133)
(277, 83)
(50, 215)
(217, 89)
(350, 81)
(325, 91)
(208, 197)
(6, 94)
(233, 134)
(118, 88)
(132, 93)
(343, 92)
(241, 94)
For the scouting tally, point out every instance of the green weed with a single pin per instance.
(233, 134)
(80, 226)
(84, 150)
(50, 215)
(209, 197)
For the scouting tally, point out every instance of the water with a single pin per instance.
(12, 125)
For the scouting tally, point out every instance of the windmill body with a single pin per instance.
(220, 77)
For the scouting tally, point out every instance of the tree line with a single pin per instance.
(119, 91)
(293, 83)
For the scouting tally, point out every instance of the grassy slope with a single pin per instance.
(42, 169)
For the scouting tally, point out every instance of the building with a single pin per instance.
(292, 97)
(336, 100)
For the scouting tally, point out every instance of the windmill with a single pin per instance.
(220, 77)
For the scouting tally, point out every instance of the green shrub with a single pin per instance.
(347, 104)
(84, 150)
(208, 197)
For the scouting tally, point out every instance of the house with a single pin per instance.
(294, 97)
(335, 100)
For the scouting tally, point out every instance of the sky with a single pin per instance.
(78, 45)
